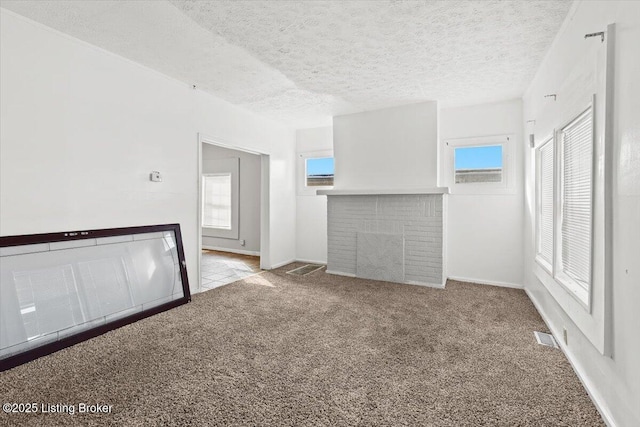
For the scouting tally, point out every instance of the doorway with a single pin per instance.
(232, 212)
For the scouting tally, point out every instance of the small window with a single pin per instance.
(216, 196)
(478, 164)
(319, 172)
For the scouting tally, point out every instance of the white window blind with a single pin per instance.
(576, 199)
(545, 202)
(216, 197)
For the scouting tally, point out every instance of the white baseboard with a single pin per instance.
(582, 375)
(340, 273)
(309, 261)
(486, 282)
(233, 251)
(428, 285)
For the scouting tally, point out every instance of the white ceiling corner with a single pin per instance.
(301, 62)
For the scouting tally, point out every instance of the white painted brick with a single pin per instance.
(418, 217)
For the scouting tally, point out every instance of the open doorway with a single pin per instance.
(233, 193)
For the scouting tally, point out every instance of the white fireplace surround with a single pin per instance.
(390, 235)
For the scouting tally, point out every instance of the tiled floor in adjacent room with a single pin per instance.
(221, 268)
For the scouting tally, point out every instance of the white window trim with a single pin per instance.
(506, 186)
(590, 79)
(303, 189)
(225, 166)
(552, 273)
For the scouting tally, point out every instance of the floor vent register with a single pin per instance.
(305, 269)
(546, 339)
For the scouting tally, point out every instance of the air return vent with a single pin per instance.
(546, 339)
(305, 269)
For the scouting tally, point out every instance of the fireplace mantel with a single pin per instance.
(388, 191)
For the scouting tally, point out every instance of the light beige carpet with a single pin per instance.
(277, 349)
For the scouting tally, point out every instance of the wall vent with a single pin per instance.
(546, 339)
(305, 269)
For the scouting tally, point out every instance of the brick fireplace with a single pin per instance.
(395, 237)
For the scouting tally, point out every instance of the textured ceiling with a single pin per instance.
(302, 62)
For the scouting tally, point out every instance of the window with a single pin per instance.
(576, 175)
(216, 201)
(220, 208)
(478, 164)
(314, 171)
(319, 171)
(564, 206)
(544, 199)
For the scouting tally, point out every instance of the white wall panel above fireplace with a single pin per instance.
(390, 148)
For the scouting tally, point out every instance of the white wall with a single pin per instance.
(391, 148)
(249, 203)
(82, 129)
(311, 210)
(484, 242)
(613, 382)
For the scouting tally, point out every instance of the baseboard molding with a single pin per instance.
(340, 273)
(280, 264)
(233, 251)
(428, 285)
(486, 282)
(309, 261)
(582, 375)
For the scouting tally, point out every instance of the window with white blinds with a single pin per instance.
(545, 204)
(564, 206)
(216, 201)
(576, 183)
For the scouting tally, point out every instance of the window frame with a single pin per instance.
(505, 186)
(303, 188)
(204, 198)
(584, 297)
(231, 166)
